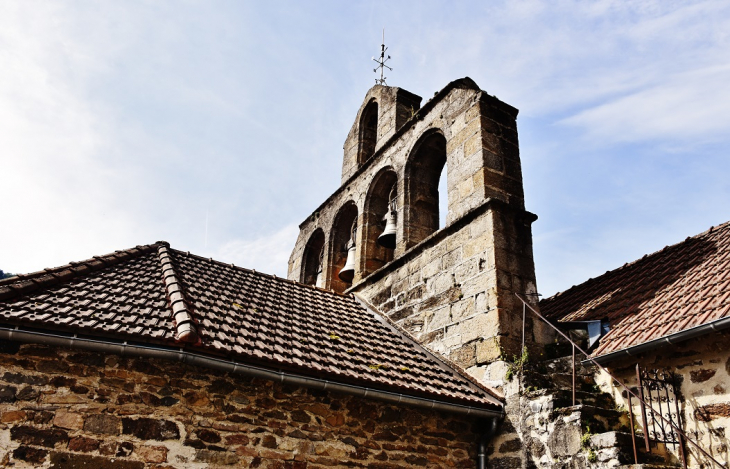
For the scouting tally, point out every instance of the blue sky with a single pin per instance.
(218, 126)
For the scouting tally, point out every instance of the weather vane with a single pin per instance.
(381, 63)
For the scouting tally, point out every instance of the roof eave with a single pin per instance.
(192, 358)
(681, 336)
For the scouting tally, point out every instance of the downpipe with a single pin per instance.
(484, 442)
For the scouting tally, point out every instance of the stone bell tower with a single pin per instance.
(452, 287)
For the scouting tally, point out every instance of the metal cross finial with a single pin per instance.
(381, 63)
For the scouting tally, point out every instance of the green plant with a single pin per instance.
(585, 442)
(517, 366)
(498, 346)
(585, 439)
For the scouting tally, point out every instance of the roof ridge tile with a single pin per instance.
(250, 317)
(676, 288)
(711, 230)
(185, 330)
(21, 284)
(261, 274)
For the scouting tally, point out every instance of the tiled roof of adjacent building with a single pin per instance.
(678, 288)
(148, 293)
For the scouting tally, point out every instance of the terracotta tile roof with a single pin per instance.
(143, 294)
(675, 289)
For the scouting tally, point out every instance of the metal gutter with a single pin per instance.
(181, 355)
(680, 336)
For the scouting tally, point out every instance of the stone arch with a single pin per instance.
(373, 256)
(368, 132)
(312, 263)
(423, 170)
(340, 235)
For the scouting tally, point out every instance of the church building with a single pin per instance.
(402, 337)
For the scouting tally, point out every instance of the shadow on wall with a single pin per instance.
(702, 430)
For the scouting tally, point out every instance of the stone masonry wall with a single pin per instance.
(455, 291)
(482, 162)
(395, 107)
(450, 294)
(394, 157)
(703, 368)
(71, 409)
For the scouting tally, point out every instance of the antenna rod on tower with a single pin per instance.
(381, 63)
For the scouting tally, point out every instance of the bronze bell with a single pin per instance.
(347, 273)
(387, 238)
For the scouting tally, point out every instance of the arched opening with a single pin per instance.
(423, 171)
(368, 132)
(382, 189)
(443, 188)
(313, 272)
(340, 236)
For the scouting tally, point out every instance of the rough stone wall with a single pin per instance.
(455, 289)
(451, 295)
(703, 369)
(550, 436)
(69, 409)
(459, 116)
(394, 157)
(461, 274)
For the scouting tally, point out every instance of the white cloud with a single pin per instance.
(268, 253)
(693, 105)
(58, 196)
(123, 123)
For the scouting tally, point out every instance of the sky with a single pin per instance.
(218, 125)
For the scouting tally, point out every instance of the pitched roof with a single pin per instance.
(152, 294)
(678, 288)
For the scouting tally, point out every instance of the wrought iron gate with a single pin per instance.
(658, 390)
